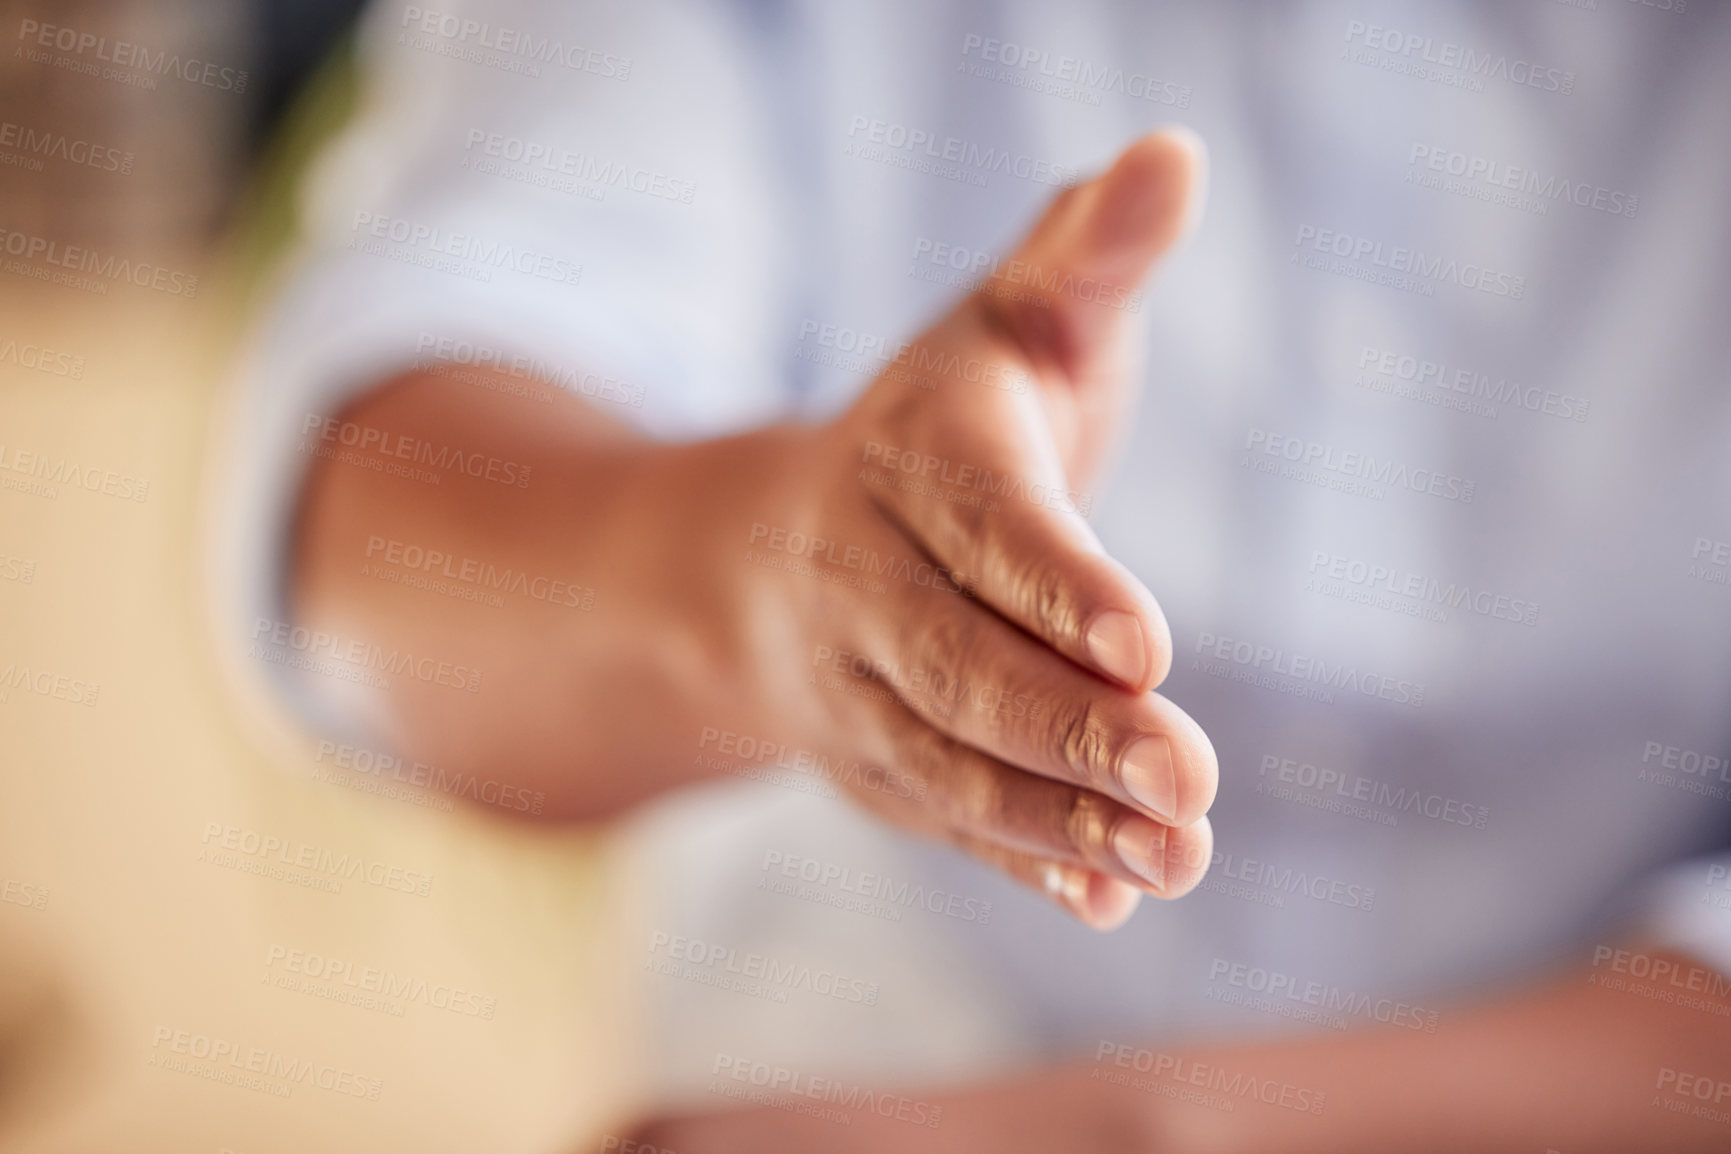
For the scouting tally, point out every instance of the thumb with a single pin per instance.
(1066, 293)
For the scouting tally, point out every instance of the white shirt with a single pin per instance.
(1429, 473)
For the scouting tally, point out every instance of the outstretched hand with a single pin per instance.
(909, 589)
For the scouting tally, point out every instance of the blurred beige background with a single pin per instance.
(106, 808)
(149, 993)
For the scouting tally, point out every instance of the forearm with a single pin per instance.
(596, 654)
(1568, 1066)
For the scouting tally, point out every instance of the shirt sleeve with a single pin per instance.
(1687, 908)
(578, 193)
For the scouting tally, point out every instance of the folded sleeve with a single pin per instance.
(1688, 909)
(578, 193)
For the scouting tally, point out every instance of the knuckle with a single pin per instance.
(984, 803)
(1078, 736)
(972, 530)
(1049, 599)
(947, 642)
(923, 755)
(922, 751)
(1087, 825)
(900, 414)
(960, 798)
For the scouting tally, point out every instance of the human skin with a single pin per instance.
(604, 709)
(1012, 709)
(1564, 1066)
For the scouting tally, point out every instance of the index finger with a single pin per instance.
(1034, 561)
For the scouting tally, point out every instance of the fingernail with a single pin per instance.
(1147, 775)
(1053, 877)
(1141, 845)
(1101, 902)
(1115, 643)
(1198, 202)
(1188, 858)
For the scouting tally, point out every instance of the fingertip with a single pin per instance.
(1160, 648)
(1097, 900)
(1132, 642)
(1108, 902)
(1133, 649)
(1154, 192)
(1188, 155)
(1196, 149)
(1191, 763)
(1200, 770)
(1195, 765)
(1189, 852)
